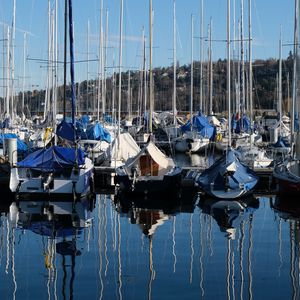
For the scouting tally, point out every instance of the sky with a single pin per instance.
(268, 16)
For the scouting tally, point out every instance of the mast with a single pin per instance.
(192, 68)
(294, 69)
(88, 63)
(13, 38)
(23, 80)
(174, 62)
(104, 64)
(144, 71)
(150, 66)
(228, 73)
(201, 56)
(72, 73)
(280, 81)
(65, 57)
(250, 61)
(47, 100)
(210, 69)
(120, 67)
(242, 59)
(296, 97)
(7, 73)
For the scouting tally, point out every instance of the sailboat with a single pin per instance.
(227, 177)
(150, 171)
(57, 171)
(287, 171)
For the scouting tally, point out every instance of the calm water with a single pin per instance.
(199, 249)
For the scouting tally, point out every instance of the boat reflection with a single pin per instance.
(235, 219)
(229, 214)
(60, 224)
(150, 216)
(288, 211)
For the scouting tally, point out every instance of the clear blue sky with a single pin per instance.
(31, 16)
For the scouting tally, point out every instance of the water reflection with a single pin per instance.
(59, 225)
(121, 248)
(233, 218)
(288, 210)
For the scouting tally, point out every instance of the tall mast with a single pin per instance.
(250, 61)
(72, 71)
(23, 79)
(65, 58)
(120, 66)
(99, 64)
(88, 63)
(13, 60)
(280, 81)
(8, 73)
(210, 69)
(192, 68)
(47, 94)
(295, 54)
(201, 56)
(104, 64)
(174, 62)
(150, 66)
(145, 71)
(242, 59)
(228, 73)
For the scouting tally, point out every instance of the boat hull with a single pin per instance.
(149, 184)
(287, 176)
(77, 185)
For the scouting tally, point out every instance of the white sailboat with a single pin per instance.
(228, 178)
(150, 171)
(287, 172)
(57, 171)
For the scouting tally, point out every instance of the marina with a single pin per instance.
(124, 177)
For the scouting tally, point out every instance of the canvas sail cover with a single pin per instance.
(124, 147)
(157, 156)
(160, 158)
(53, 159)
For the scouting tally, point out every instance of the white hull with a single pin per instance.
(24, 182)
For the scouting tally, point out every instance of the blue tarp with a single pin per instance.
(242, 124)
(21, 146)
(66, 131)
(215, 174)
(201, 125)
(96, 132)
(281, 143)
(53, 159)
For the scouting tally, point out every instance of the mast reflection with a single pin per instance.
(288, 210)
(233, 218)
(59, 224)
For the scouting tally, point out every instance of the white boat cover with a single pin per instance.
(124, 147)
(160, 158)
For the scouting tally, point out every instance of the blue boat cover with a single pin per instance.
(201, 125)
(66, 131)
(21, 146)
(53, 159)
(240, 124)
(215, 174)
(281, 143)
(96, 132)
